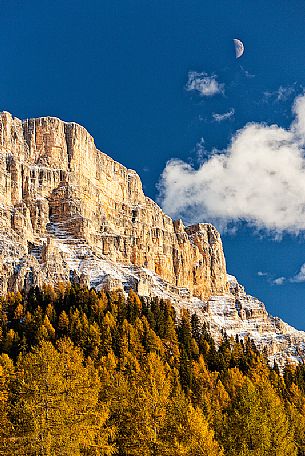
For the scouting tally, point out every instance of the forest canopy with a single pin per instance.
(94, 373)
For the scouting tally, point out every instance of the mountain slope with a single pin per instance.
(70, 212)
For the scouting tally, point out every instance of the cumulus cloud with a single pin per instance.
(205, 85)
(279, 281)
(300, 276)
(225, 116)
(259, 179)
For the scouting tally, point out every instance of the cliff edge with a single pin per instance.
(56, 187)
(70, 212)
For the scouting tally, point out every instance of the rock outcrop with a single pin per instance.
(70, 212)
(55, 185)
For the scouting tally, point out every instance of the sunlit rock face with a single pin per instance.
(70, 212)
(56, 185)
(238, 313)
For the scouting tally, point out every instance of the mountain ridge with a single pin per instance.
(70, 212)
(58, 184)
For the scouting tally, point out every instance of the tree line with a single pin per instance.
(94, 373)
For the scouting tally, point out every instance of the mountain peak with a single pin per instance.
(70, 212)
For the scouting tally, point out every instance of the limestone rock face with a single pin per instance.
(57, 192)
(70, 212)
(238, 313)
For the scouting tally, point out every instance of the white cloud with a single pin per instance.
(225, 116)
(205, 85)
(281, 94)
(279, 281)
(200, 151)
(262, 274)
(247, 73)
(259, 179)
(300, 276)
(271, 280)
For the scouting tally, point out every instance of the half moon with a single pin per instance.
(239, 48)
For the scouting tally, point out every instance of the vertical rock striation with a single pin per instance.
(57, 189)
(70, 212)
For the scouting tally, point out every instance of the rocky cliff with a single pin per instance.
(55, 185)
(70, 212)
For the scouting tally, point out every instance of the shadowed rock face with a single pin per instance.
(57, 190)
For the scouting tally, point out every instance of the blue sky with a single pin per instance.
(121, 69)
